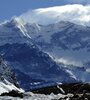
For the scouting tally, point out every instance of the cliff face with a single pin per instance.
(6, 73)
(8, 80)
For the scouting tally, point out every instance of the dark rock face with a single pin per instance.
(75, 88)
(80, 91)
(13, 94)
(7, 73)
(75, 91)
(33, 65)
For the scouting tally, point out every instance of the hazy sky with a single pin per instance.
(9, 8)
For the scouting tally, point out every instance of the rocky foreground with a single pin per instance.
(75, 91)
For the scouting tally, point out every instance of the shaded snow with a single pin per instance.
(32, 96)
(7, 87)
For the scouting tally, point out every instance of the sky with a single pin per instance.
(10, 8)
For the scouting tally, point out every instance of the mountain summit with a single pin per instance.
(33, 67)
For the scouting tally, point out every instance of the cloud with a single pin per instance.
(68, 62)
(75, 13)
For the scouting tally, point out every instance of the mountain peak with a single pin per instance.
(17, 20)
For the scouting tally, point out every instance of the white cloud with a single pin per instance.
(75, 13)
(68, 62)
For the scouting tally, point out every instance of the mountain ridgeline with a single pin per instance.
(34, 52)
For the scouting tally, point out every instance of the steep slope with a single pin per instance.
(81, 73)
(65, 42)
(8, 80)
(6, 72)
(13, 31)
(33, 68)
(63, 39)
(6, 86)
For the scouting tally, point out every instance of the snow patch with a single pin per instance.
(7, 87)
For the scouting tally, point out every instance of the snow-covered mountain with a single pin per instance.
(46, 54)
(69, 38)
(66, 43)
(43, 55)
(62, 31)
(13, 31)
(45, 47)
(33, 67)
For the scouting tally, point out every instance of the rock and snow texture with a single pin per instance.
(57, 40)
(32, 96)
(6, 86)
(33, 68)
(7, 78)
(27, 60)
(13, 31)
(60, 32)
(66, 43)
(6, 72)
